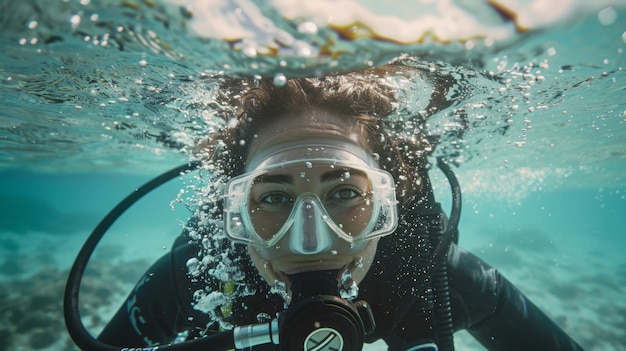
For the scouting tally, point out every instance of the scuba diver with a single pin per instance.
(328, 210)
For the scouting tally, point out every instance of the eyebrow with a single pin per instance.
(275, 178)
(326, 177)
(337, 174)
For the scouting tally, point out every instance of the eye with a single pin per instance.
(346, 194)
(276, 198)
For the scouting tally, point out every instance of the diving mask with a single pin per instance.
(309, 196)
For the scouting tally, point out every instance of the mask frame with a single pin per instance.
(383, 219)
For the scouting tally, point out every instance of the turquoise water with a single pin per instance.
(98, 97)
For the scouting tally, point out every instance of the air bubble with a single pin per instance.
(250, 51)
(280, 80)
(75, 21)
(607, 16)
(280, 288)
(307, 28)
(263, 317)
(349, 289)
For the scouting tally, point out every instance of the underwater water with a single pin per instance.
(98, 97)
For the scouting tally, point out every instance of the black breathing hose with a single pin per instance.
(443, 309)
(451, 231)
(83, 339)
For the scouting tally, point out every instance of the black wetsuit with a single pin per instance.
(397, 287)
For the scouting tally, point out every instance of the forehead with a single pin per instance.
(324, 172)
(304, 154)
(311, 124)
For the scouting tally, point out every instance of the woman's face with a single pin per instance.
(343, 197)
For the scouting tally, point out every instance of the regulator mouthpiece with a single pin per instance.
(318, 319)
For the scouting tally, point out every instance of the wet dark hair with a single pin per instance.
(368, 97)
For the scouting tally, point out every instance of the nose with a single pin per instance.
(310, 234)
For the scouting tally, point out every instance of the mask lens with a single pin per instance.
(270, 203)
(350, 204)
(344, 193)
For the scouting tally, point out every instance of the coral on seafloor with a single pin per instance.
(31, 308)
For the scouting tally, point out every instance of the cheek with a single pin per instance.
(263, 266)
(267, 224)
(364, 261)
(354, 220)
